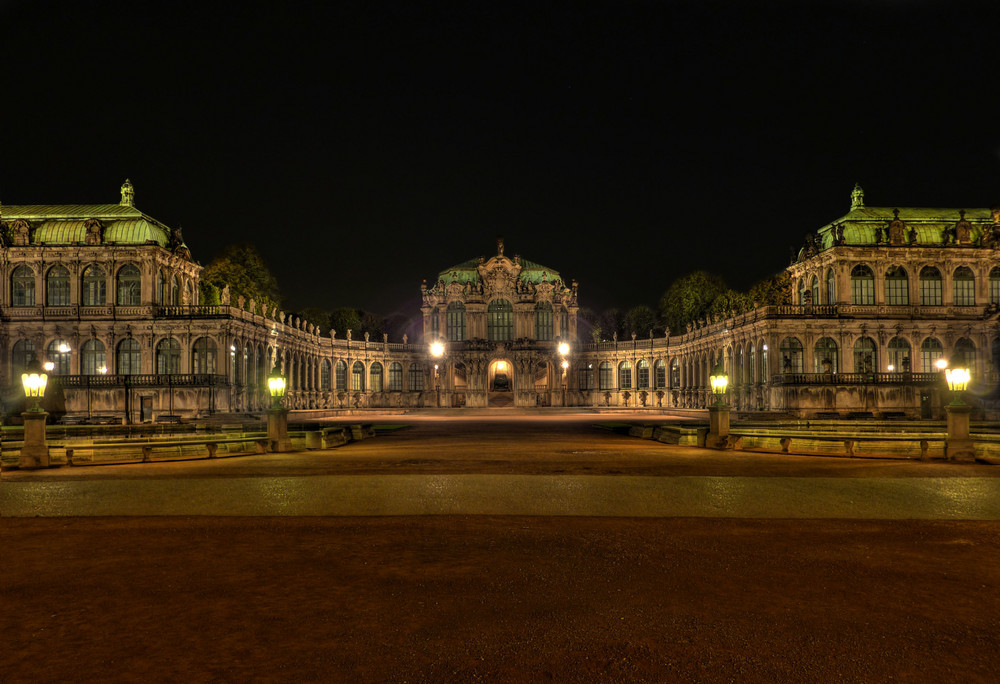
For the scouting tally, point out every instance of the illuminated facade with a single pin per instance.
(109, 297)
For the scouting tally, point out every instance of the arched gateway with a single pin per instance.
(500, 320)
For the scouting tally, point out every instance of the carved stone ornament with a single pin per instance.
(897, 229)
(543, 292)
(95, 232)
(21, 230)
(454, 291)
(499, 276)
(224, 297)
(963, 230)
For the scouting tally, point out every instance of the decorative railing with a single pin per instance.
(858, 379)
(186, 311)
(166, 380)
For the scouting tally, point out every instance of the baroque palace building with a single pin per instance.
(108, 297)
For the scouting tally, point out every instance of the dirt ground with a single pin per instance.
(509, 599)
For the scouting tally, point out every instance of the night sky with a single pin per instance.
(365, 146)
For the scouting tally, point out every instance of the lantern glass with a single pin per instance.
(276, 387)
(437, 350)
(958, 378)
(563, 348)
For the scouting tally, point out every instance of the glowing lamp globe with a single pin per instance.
(941, 364)
(565, 365)
(276, 387)
(719, 380)
(34, 380)
(563, 348)
(958, 378)
(437, 350)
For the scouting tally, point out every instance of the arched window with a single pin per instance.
(57, 286)
(188, 295)
(814, 287)
(395, 377)
(899, 355)
(765, 370)
(642, 374)
(21, 355)
(204, 357)
(897, 287)
(168, 357)
(456, 322)
(605, 376)
(416, 377)
(995, 285)
(964, 286)
(358, 377)
(564, 324)
(93, 360)
(129, 357)
(802, 290)
(965, 355)
(58, 353)
(161, 288)
(324, 376)
(625, 375)
(825, 351)
(340, 377)
(865, 355)
(175, 291)
(930, 286)
(751, 370)
(675, 373)
(930, 351)
(435, 324)
(500, 321)
(129, 285)
(543, 321)
(831, 287)
(659, 374)
(376, 377)
(791, 355)
(95, 286)
(862, 285)
(22, 286)
(587, 377)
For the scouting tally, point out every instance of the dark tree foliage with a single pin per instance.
(689, 298)
(641, 320)
(318, 317)
(776, 289)
(344, 319)
(242, 268)
(610, 321)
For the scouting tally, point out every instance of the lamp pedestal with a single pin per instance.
(35, 452)
(277, 429)
(718, 426)
(959, 443)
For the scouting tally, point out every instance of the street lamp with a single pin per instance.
(959, 442)
(958, 380)
(718, 413)
(277, 415)
(34, 452)
(436, 349)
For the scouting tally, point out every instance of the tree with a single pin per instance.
(610, 321)
(773, 290)
(318, 317)
(344, 319)
(242, 268)
(689, 298)
(640, 320)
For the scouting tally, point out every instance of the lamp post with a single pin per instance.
(718, 413)
(959, 442)
(277, 415)
(35, 452)
(436, 349)
(563, 349)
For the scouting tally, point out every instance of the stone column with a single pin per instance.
(35, 452)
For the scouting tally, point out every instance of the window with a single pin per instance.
(341, 376)
(899, 355)
(965, 355)
(324, 376)
(58, 353)
(92, 358)
(500, 321)
(862, 285)
(587, 377)
(358, 377)
(57, 287)
(129, 286)
(675, 373)
(865, 355)
(802, 291)
(95, 287)
(22, 354)
(187, 294)
(22, 286)
(129, 357)
(416, 377)
(175, 291)
(625, 375)
(203, 360)
(831, 287)
(161, 288)
(995, 285)
(897, 287)
(825, 351)
(456, 322)
(764, 370)
(168, 357)
(791, 355)
(564, 324)
(751, 370)
(543, 321)
(659, 374)
(395, 377)
(815, 290)
(435, 325)
(930, 286)
(965, 286)
(930, 351)
(376, 377)
(642, 374)
(606, 376)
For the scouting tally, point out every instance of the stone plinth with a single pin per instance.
(959, 443)
(718, 426)
(35, 452)
(277, 430)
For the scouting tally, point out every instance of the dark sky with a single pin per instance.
(365, 146)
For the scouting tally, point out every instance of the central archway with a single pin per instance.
(500, 383)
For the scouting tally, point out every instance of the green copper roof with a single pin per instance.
(64, 223)
(468, 272)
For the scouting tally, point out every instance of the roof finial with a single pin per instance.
(499, 246)
(857, 197)
(128, 194)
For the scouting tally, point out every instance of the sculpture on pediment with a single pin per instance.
(912, 236)
(897, 229)
(963, 229)
(224, 296)
(95, 232)
(240, 301)
(20, 232)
